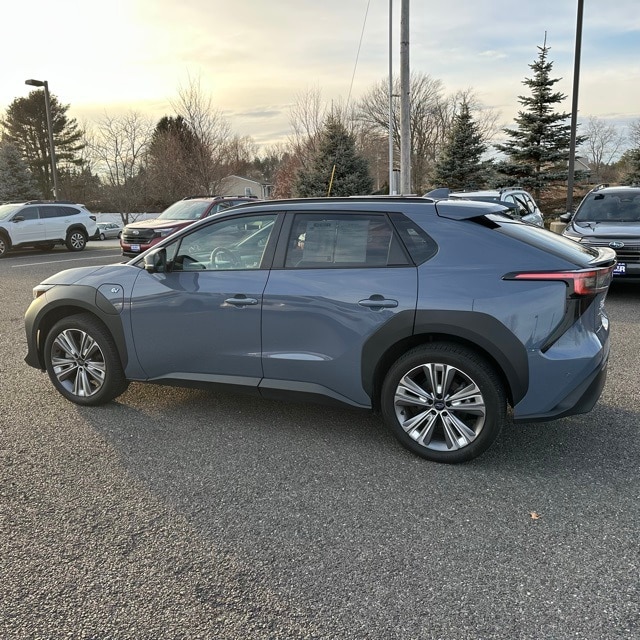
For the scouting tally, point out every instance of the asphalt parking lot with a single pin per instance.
(176, 513)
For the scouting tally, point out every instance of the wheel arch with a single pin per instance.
(478, 332)
(40, 321)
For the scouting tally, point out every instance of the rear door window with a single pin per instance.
(335, 240)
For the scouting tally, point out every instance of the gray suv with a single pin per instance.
(43, 225)
(438, 314)
(610, 217)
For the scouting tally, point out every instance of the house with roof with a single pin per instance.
(239, 186)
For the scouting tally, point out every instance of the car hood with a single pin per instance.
(607, 229)
(156, 224)
(73, 276)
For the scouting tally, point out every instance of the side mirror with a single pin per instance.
(566, 217)
(156, 262)
(18, 219)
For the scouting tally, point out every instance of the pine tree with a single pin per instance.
(336, 169)
(16, 181)
(460, 167)
(25, 126)
(538, 149)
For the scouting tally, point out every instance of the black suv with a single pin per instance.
(609, 217)
(139, 236)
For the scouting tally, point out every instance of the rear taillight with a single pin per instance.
(585, 282)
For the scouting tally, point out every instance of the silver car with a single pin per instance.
(108, 230)
(520, 202)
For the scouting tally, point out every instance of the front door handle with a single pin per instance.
(378, 302)
(241, 301)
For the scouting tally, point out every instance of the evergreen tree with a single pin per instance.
(538, 149)
(336, 169)
(631, 161)
(16, 181)
(460, 167)
(25, 126)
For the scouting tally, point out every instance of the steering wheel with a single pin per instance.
(225, 255)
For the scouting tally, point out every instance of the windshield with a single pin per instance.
(185, 210)
(7, 209)
(610, 207)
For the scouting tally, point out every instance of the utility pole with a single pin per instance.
(574, 108)
(405, 102)
(392, 190)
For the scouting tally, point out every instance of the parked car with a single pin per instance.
(43, 225)
(520, 202)
(139, 236)
(439, 314)
(108, 231)
(609, 217)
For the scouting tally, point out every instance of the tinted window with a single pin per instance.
(49, 211)
(545, 240)
(29, 213)
(420, 245)
(342, 240)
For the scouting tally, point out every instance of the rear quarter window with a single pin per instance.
(545, 240)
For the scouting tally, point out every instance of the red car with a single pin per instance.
(139, 236)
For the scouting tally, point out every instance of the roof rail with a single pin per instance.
(603, 185)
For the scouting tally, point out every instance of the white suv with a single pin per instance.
(44, 224)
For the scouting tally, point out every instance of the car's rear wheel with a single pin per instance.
(82, 361)
(76, 240)
(444, 402)
(4, 246)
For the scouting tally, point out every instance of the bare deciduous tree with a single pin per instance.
(118, 145)
(211, 130)
(602, 145)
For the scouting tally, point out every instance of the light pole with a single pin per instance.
(574, 108)
(47, 104)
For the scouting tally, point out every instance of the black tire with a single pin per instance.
(102, 237)
(422, 391)
(5, 245)
(76, 240)
(82, 361)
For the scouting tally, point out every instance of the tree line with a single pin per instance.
(129, 163)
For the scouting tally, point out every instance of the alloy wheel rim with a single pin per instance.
(440, 407)
(78, 363)
(77, 240)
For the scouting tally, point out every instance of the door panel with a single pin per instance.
(193, 325)
(30, 229)
(334, 293)
(200, 318)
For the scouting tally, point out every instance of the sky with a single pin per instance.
(255, 58)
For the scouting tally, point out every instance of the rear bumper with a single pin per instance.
(581, 400)
(569, 377)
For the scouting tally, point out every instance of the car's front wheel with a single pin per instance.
(82, 361)
(76, 240)
(444, 402)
